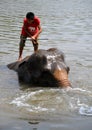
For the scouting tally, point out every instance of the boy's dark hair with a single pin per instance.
(30, 15)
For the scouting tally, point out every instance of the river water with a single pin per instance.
(68, 26)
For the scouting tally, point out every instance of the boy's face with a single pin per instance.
(30, 20)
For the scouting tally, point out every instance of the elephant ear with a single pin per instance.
(13, 66)
(21, 64)
(16, 65)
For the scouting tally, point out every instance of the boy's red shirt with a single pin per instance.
(31, 28)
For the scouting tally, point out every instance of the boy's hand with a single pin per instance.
(33, 39)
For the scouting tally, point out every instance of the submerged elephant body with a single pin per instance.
(43, 68)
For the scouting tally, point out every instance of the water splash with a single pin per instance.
(85, 110)
(55, 101)
(32, 101)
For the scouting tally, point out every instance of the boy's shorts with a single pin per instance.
(22, 40)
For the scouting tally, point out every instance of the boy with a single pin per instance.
(31, 28)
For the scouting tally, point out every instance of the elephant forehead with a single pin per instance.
(53, 65)
(51, 57)
(55, 57)
(59, 65)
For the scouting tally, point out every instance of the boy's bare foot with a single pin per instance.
(20, 58)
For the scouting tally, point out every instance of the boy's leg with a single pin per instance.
(21, 46)
(35, 44)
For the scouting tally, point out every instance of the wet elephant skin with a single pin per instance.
(43, 68)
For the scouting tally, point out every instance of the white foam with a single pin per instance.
(19, 103)
(21, 100)
(85, 110)
(81, 90)
(38, 109)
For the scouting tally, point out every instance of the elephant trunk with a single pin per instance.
(62, 77)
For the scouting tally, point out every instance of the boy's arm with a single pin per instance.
(38, 32)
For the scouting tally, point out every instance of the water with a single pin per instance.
(68, 26)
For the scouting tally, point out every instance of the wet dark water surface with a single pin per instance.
(68, 26)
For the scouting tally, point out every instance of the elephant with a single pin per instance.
(46, 68)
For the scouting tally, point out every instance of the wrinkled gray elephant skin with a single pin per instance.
(45, 68)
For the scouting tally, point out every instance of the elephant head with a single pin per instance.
(43, 68)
